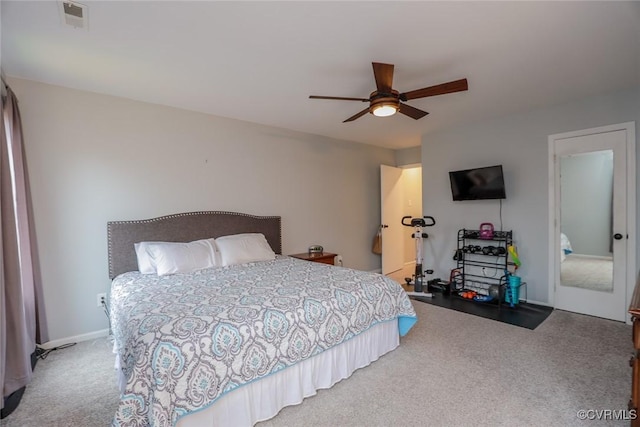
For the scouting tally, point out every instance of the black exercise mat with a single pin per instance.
(525, 315)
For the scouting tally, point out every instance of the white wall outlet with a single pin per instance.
(100, 298)
(338, 260)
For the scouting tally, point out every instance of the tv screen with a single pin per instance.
(478, 184)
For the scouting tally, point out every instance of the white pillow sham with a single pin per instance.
(243, 248)
(145, 263)
(173, 257)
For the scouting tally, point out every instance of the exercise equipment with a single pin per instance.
(468, 294)
(495, 291)
(439, 285)
(493, 250)
(486, 231)
(514, 256)
(455, 280)
(418, 235)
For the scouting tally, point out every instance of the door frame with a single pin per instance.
(418, 201)
(554, 254)
(391, 227)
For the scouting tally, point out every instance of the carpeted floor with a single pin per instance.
(71, 387)
(452, 369)
(588, 272)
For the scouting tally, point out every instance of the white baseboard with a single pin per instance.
(78, 338)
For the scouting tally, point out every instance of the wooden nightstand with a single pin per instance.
(323, 257)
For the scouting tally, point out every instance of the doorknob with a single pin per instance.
(617, 236)
(384, 226)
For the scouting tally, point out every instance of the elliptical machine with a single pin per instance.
(418, 236)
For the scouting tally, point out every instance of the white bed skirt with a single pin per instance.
(263, 399)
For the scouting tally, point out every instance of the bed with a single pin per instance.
(234, 343)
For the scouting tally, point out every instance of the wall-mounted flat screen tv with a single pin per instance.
(478, 184)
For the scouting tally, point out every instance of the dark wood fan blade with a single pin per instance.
(412, 112)
(341, 98)
(441, 89)
(357, 116)
(383, 74)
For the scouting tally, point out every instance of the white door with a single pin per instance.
(591, 254)
(391, 196)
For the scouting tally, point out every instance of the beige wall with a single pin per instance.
(94, 158)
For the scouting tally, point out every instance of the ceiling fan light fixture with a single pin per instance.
(384, 110)
(384, 105)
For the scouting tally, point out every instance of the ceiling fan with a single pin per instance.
(385, 101)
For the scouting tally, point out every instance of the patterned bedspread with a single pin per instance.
(187, 339)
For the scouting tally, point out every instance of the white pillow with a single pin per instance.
(145, 263)
(243, 248)
(171, 258)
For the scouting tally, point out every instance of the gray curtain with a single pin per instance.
(22, 320)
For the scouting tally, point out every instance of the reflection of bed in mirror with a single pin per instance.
(234, 343)
(584, 271)
(565, 247)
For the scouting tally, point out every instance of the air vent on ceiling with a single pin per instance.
(74, 14)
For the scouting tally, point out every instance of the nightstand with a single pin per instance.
(321, 257)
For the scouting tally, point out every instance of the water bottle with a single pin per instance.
(418, 285)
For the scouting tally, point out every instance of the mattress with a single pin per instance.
(189, 342)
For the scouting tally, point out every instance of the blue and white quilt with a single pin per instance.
(187, 339)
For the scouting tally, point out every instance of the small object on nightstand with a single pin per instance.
(321, 257)
(315, 249)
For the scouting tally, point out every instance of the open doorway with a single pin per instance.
(407, 201)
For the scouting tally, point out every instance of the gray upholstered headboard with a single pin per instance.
(184, 227)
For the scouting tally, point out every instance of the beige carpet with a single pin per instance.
(589, 272)
(452, 369)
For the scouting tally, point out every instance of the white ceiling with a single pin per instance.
(259, 61)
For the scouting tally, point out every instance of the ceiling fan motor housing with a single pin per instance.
(379, 99)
